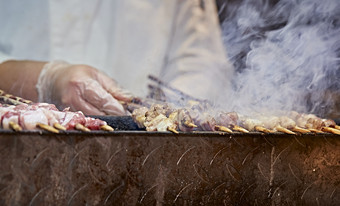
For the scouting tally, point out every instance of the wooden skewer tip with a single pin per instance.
(81, 127)
(262, 129)
(300, 130)
(223, 129)
(240, 129)
(337, 127)
(59, 126)
(316, 131)
(173, 130)
(106, 128)
(285, 130)
(189, 124)
(47, 128)
(16, 127)
(331, 130)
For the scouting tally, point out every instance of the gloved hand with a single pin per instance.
(80, 87)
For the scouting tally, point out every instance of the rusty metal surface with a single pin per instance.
(143, 168)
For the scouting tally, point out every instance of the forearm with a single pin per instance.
(20, 77)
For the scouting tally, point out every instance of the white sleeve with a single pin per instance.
(196, 62)
(4, 57)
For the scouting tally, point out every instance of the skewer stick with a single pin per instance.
(284, 130)
(223, 129)
(81, 127)
(239, 129)
(176, 91)
(331, 130)
(300, 130)
(106, 128)
(315, 130)
(7, 100)
(15, 126)
(59, 126)
(11, 99)
(262, 129)
(47, 128)
(337, 127)
(172, 130)
(189, 124)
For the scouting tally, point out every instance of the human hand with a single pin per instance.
(81, 87)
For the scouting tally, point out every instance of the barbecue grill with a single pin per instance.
(135, 167)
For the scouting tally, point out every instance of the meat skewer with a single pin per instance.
(47, 128)
(254, 125)
(27, 115)
(185, 122)
(329, 126)
(295, 122)
(315, 124)
(164, 117)
(15, 126)
(230, 120)
(206, 121)
(331, 130)
(196, 117)
(29, 112)
(47, 117)
(203, 120)
(290, 124)
(265, 124)
(155, 119)
(279, 124)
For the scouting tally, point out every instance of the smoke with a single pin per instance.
(286, 54)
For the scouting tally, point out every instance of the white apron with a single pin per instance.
(178, 40)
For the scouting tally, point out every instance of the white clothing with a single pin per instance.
(126, 39)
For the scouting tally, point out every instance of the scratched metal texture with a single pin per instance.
(152, 168)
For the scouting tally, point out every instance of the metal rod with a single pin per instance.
(178, 92)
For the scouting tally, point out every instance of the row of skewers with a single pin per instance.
(199, 115)
(19, 114)
(166, 117)
(47, 117)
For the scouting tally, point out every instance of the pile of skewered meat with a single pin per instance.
(199, 115)
(166, 117)
(47, 117)
(20, 114)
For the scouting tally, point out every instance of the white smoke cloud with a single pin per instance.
(286, 54)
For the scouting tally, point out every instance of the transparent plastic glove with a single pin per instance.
(80, 87)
